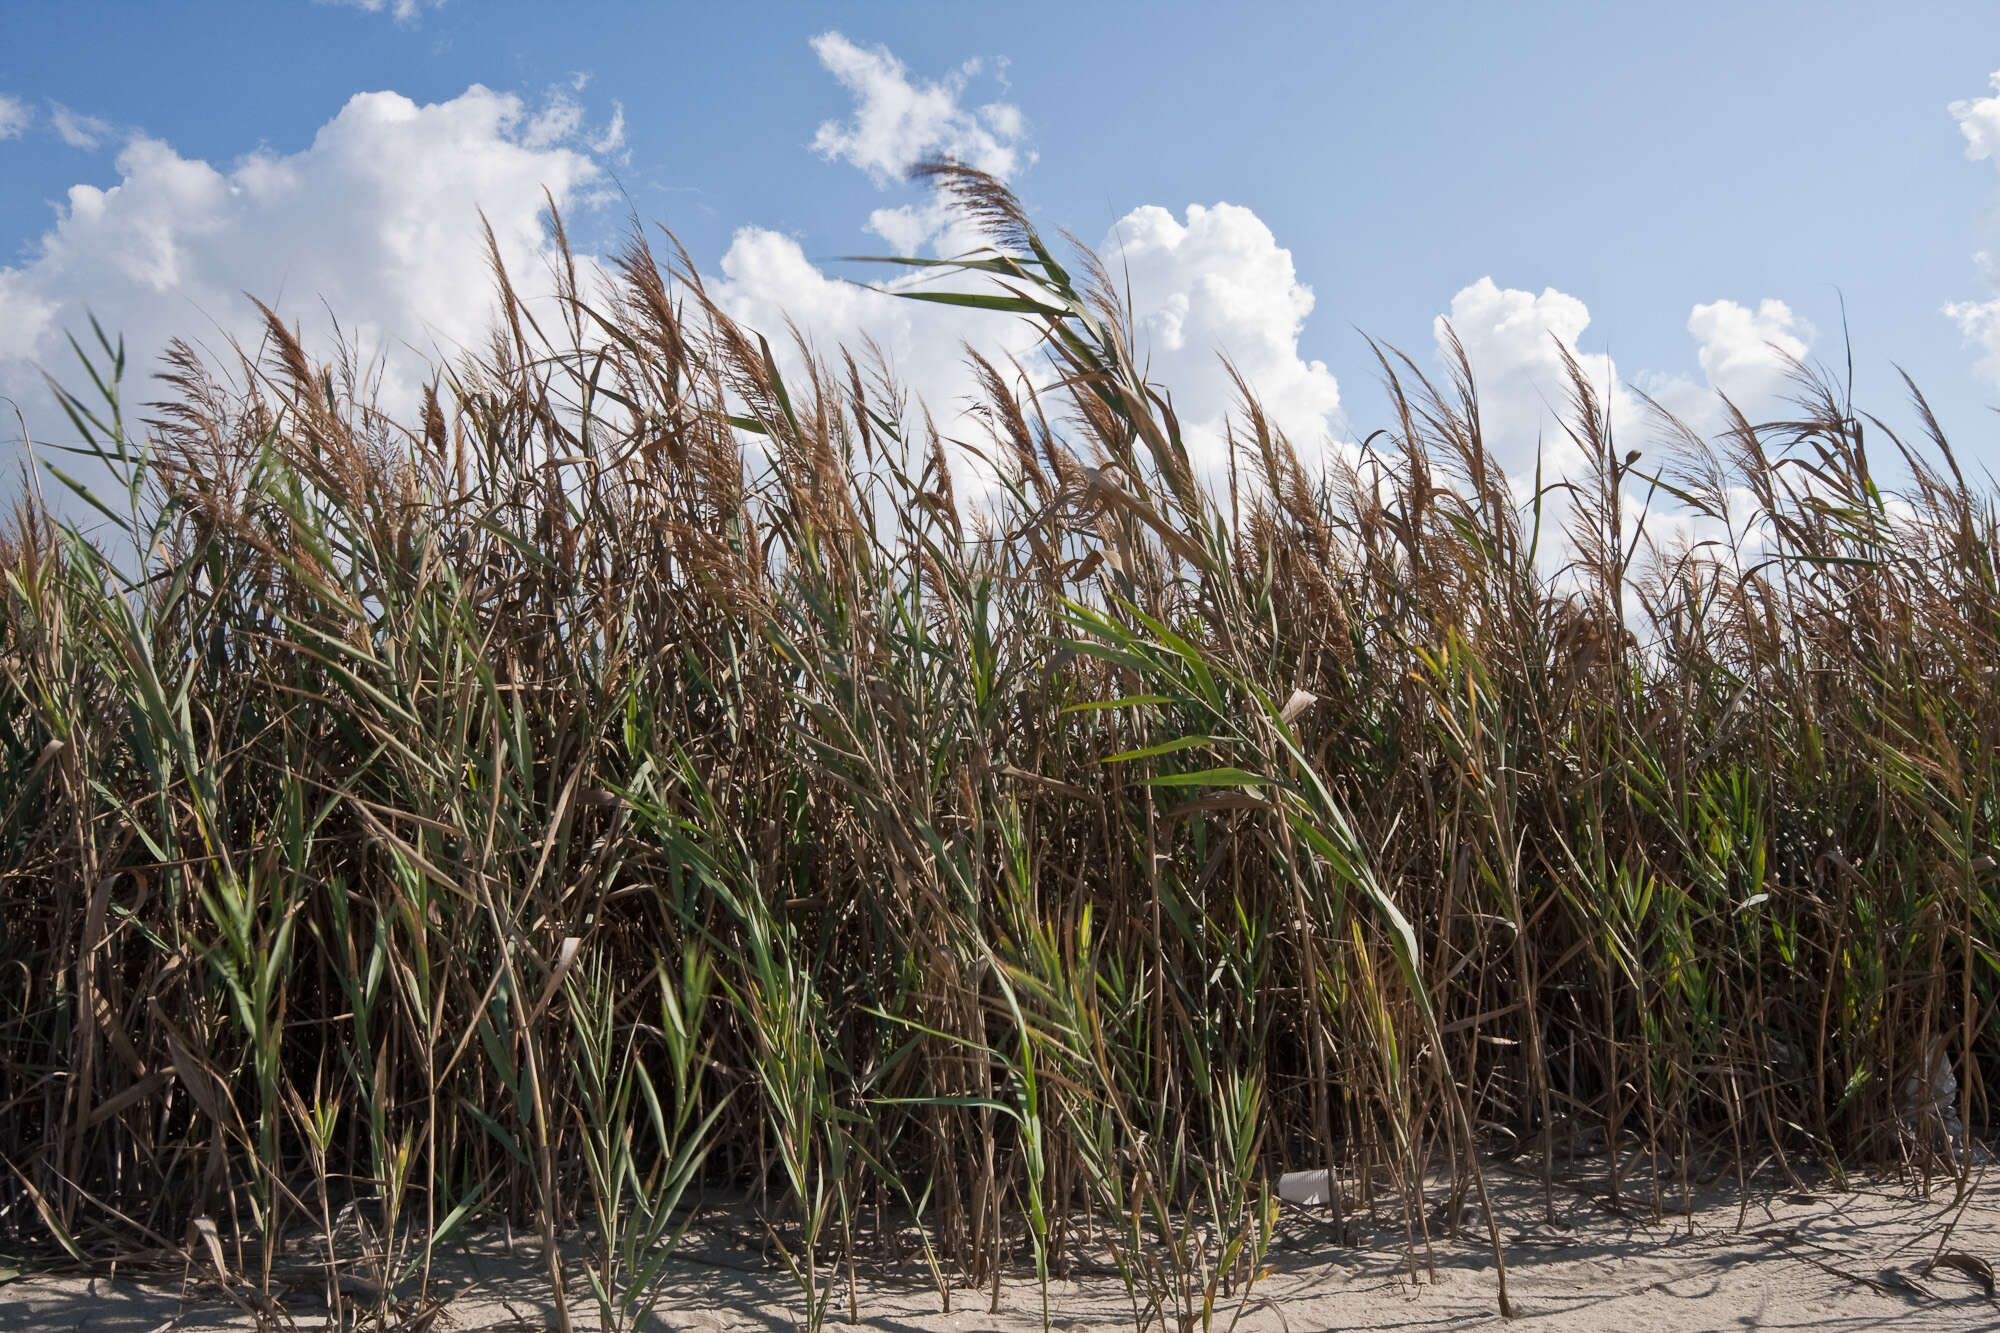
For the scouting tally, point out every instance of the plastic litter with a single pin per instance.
(1929, 1105)
(1304, 1187)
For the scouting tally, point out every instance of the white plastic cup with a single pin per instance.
(1304, 1187)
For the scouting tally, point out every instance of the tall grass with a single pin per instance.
(642, 774)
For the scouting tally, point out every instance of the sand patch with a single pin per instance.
(1824, 1260)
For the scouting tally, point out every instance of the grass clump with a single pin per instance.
(640, 774)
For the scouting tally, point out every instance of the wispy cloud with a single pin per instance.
(403, 11)
(899, 121)
(76, 129)
(1979, 321)
(14, 117)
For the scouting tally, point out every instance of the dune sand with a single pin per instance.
(1864, 1257)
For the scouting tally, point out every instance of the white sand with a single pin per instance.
(1853, 1260)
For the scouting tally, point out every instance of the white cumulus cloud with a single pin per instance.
(375, 223)
(767, 281)
(1745, 353)
(1515, 340)
(1209, 283)
(1748, 353)
(1213, 284)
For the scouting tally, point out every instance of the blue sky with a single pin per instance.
(1602, 174)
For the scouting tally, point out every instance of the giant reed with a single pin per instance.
(643, 771)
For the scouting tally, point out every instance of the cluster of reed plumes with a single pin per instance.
(642, 779)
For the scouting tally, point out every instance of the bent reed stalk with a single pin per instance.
(640, 774)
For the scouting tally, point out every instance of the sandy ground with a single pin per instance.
(1828, 1260)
